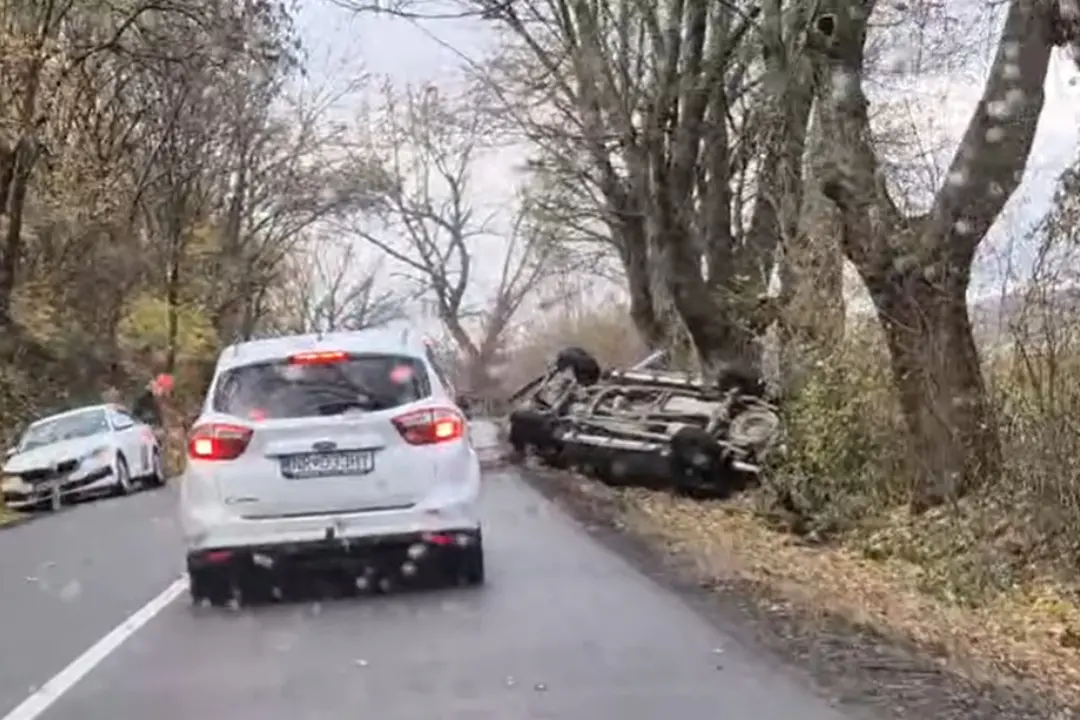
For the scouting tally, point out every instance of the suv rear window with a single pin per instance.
(357, 383)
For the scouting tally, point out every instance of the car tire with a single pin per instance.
(584, 366)
(472, 563)
(697, 460)
(744, 380)
(204, 587)
(123, 476)
(157, 472)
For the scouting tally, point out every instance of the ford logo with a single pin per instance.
(324, 446)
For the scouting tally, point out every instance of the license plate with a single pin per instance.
(335, 464)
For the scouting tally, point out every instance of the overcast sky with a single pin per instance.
(939, 103)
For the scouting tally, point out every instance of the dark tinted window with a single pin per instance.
(359, 383)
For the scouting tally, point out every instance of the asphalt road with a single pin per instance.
(565, 629)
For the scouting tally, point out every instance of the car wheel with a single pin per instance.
(472, 563)
(123, 476)
(697, 460)
(157, 472)
(208, 587)
(584, 366)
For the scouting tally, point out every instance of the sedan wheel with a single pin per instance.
(123, 477)
(157, 473)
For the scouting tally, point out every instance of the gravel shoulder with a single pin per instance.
(846, 659)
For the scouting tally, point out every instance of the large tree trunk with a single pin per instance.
(643, 310)
(652, 308)
(936, 369)
(917, 269)
(718, 319)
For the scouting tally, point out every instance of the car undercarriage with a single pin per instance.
(646, 425)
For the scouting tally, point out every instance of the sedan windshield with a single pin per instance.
(65, 427)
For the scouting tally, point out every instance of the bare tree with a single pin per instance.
(91, 155)
(53, 42)
(178, 194)
(811, 319)
(917, 268)
(431, 224)
(331, 292)
(686, 121)
(285, 179)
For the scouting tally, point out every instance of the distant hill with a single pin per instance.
(995, 318)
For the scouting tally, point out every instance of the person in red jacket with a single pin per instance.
(147, 406)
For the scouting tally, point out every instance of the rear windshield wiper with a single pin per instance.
(344, 397)
(340, 407)
(375, 400)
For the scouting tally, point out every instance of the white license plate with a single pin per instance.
(332, 464)
(48, 487)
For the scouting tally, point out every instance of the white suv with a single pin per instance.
(341, 451)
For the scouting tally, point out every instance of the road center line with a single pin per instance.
(80, 667)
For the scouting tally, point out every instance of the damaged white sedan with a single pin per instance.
(85, 451)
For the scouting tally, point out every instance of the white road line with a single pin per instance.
(81, 666)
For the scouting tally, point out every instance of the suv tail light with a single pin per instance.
(426, 427)
(218, 441)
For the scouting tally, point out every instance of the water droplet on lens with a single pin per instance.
(71, 591)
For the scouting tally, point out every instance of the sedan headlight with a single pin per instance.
(11, 483)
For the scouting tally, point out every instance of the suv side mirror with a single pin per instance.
(10, 451)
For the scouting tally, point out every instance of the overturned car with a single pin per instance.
(647, 425)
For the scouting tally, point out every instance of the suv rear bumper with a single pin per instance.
(214, 528)
(360, 562)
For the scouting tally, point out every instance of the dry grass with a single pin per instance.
(9, 516)
(1030, 631)
(990, 585)
(609, 336)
